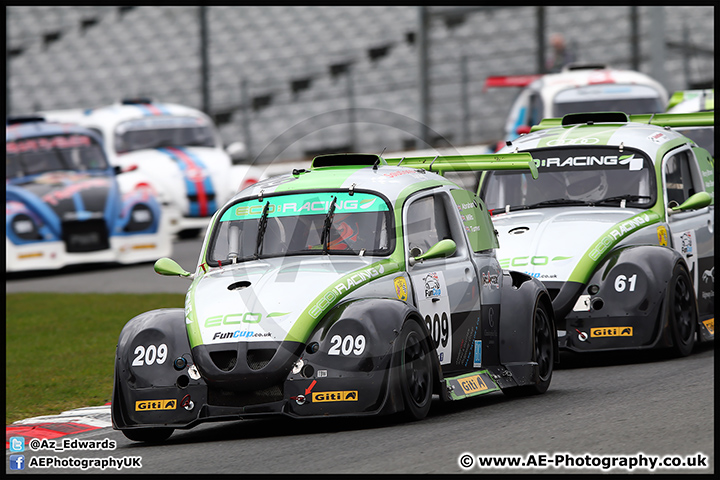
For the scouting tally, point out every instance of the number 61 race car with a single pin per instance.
(352, 288)
(619, 227)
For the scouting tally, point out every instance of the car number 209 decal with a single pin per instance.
(434, 305)
(150, 355)
(347, 345)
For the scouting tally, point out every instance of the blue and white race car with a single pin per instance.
(65, 205)
(177, 147)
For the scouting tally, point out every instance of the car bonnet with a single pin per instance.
(550, 243)
(273, 299)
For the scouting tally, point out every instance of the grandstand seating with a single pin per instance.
(69, 57)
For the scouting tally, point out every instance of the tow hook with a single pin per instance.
(300, 399)
(186, 403)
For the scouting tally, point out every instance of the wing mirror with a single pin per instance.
(168, 266)
(699, 200)
(444, 248)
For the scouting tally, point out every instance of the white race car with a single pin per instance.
(578, 88)
(177, 147)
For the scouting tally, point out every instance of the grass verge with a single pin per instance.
(60, 348)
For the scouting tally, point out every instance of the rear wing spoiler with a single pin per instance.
(469, 163)
(671, 120)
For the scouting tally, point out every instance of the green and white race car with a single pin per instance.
(361, 286)
(619, 227)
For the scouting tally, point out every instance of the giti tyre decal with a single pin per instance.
(200, 192)
(323, 303)
(597, 251)
(433, 303)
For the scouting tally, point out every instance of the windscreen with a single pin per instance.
(631, 99)
(302, 224)
(158, 132)
(574, 176)
(30, 156)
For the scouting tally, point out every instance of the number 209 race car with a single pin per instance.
(619, 227)
(352, 288)
(65, 205)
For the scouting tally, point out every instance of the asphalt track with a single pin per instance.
(639, 405)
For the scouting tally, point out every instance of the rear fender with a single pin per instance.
(520, 295)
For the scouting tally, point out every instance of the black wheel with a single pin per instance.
(543, 354)
(150, 435)
(415, 368)
(681, 311)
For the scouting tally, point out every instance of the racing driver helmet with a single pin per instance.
(586, 186)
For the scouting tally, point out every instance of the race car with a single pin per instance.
(360, 286)
(177, 147)
(619, 227)
(577, 88)
(688, 101)
(65, 205)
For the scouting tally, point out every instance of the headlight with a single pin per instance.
(141, 218)
(24, 227)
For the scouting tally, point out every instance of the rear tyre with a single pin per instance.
(414, 363)
(543, 354)
(681, 311)
(149, 435)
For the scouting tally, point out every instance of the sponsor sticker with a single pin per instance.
(662, 234)
(710, 325)
(432, 285)
(658, 138)
(401, 289)
(148, 405)
(477, 359)
(611, 332)
(347, 396)
(472, 384)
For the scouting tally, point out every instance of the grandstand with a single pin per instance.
(293, 81)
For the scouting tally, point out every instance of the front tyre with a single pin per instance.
(415, 367)
(681, 311)
(149, 435)
(543, 354)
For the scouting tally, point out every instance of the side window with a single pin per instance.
(536, 110)
(678, 178)
(427, 223)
